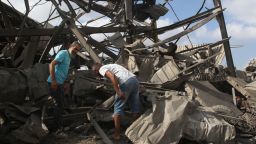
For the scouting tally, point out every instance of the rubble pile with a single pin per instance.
(187, 96)
(250, 69)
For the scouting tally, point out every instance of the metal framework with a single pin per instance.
(25, 42)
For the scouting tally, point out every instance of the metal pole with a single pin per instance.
(224, 35)
(71, 24)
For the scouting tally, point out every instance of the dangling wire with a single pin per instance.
(199, 10)
(179, 20)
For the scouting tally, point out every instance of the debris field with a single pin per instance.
(187, 96)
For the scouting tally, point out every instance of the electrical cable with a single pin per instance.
(178, 20)
(199, 10)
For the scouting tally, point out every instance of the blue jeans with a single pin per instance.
(131, 91)
(57, 95)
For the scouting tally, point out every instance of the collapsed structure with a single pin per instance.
(186, 94)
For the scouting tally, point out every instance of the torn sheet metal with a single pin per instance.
(156, 11)
(32, 131)
(204, 127)
(251, 88)
(167, 73)
(174, 116)
(209, 96)
(146, 69)
(238, 84)
(135, 45)
(83, 86)
(17, 84)
(128, 61)
(247, 90)
(117, 40)
(163, 124)
(197, 51)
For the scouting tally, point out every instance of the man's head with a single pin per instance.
(74, 47)
(96, 67)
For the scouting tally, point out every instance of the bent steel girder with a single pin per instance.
(71, 24)
(179, 24)
(10, 32)
(93, 30)
(122, 20)
(94, 6)
(224, 34)
(198, 25)
(51, 41)
(22, 50)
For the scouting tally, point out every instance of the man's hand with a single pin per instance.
(54, 85)
(114, 81)
(121, 95)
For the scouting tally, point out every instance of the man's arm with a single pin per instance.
(114, 81)
(52, 74)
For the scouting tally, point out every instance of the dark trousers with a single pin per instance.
(57, 95)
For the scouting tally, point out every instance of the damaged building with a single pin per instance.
(186, 95)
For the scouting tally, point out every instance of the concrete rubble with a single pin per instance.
(187, 96)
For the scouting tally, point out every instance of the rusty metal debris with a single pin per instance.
(186, 94)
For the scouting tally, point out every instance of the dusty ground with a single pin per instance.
(83, 135)
(79, 139)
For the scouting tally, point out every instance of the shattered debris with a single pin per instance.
(185, 92)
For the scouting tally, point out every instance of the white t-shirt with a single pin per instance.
(120, 72)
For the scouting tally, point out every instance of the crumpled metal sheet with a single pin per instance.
(16, 84)
(204, 126)
(32, 131)
(19, 113)
(83, 86)
(146, 69)
(13, 86)
(251, 87)
(209, 96)
(128, 62)
(25, 109)
(167, 73)
(174, 116)
(117, 40)
(163, 124)
(156, 11)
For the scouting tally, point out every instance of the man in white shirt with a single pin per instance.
(126, 86)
